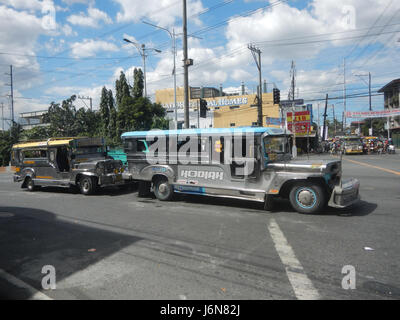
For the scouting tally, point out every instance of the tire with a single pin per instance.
(144, 189)
(307, 197)
(30, 185)
(163, 190)
(87, 185)
(269, 202)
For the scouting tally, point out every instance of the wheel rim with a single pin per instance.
(85, 185)
(163, 189)
(306, 198)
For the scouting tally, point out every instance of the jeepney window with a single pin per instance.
(142, 146)
(35, 154)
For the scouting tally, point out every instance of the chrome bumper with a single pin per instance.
(345, 194)
(111, 179)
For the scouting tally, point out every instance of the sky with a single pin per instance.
(66, 47)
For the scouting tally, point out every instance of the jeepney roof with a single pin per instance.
(57, 142)
(210, 131)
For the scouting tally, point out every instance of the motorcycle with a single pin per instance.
(391, 149)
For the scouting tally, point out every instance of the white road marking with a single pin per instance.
(36, 295)
(301, 284)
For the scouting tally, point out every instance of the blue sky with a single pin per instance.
(64, 47)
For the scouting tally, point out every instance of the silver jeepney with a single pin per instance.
(65, 162)
(309, 185)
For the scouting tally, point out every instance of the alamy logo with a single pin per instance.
(208, 175)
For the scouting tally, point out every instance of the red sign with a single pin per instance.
(301, 121)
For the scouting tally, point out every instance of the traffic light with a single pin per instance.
(203, 108)
(277, 96)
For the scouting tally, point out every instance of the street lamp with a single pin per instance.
(173, 38)
(142, 51)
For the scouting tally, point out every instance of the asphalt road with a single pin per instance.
(117, 246)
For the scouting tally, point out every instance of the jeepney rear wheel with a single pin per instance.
(87, 185)
(163, 190)
(307, 197)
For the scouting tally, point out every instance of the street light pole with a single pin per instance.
(142, 51)
(173, 39)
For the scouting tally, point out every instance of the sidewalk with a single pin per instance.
(7, 170)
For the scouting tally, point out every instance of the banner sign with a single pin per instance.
(302, 116)
(302, 128)
(374, 114)
(301, 121)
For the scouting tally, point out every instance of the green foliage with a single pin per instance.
(126, 113)
(7, 140)
(378, 126)
(138, 86)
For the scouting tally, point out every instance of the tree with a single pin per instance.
(36, 133)
(113, 136)
(138, 84)
(121, 89)
(105, 112)
(7, 140)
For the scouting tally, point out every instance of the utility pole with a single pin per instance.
(334, 118)
(185, 67)
(344, 96)
(11, 94)
(142, 51)
(87, 98)
(325, 115)
(2, 115)
(255, 51)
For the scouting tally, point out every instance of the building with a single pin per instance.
(233, 110)
(392, 96)
(29, 120)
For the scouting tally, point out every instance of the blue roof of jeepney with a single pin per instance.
(271, 131)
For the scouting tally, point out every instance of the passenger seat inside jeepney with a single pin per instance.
(62, 159)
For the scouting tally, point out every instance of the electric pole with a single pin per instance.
(257, 58)
(325, 115)
(2, 115)
(344, 96)
(87, 98)
(11, 94)
(185, 67)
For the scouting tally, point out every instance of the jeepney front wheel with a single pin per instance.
(163, 190)
(30, 185)
(307, 197)
(87, 185)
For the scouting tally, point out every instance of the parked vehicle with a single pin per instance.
(65, 162)
(210, 162)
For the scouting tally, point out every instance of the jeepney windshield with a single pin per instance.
(96, 150)
(276, 145)
(353, 141)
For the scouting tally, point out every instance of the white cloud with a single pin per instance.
(89, 48)
(93, 18)
(165, 12)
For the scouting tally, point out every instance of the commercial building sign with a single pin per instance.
(274, 121)
(221, 102)
(300, 123)
(373, 114)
